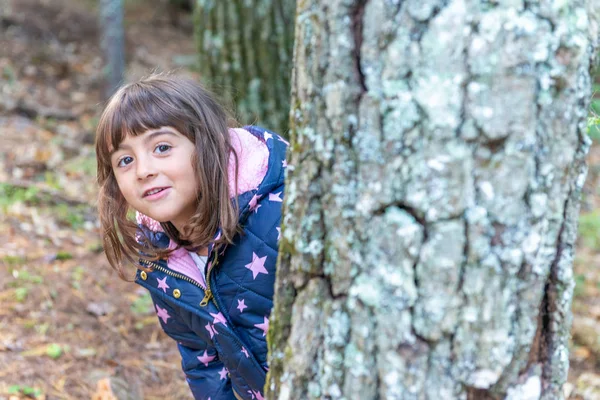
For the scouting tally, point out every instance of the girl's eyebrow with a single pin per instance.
(147, 139)
(159, 133)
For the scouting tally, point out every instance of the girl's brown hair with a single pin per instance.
(157, 101)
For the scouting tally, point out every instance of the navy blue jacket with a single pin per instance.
(221, 328)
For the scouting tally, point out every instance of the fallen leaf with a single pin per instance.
(103, 391)
(100, 309)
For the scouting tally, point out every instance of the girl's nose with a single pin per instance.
(144, 168)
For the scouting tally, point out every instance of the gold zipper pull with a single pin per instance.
(207, 297)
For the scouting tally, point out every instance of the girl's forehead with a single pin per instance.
(128, 139)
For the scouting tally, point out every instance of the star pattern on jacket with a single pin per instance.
(257, 265)
(245, 352)
(241, 305)
(275, 197)
(205, 358)
(162, 284)
(211, 329)
(264, 326)
(278, 233)
(162, 313)
(267, 136)
(223, 373)
(218, 318)
(254, 206)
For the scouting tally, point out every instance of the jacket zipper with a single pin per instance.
(173, 274)
(237, 396)
(207, 292)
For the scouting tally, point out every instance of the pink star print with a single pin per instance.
(283, 140)
(211, 330)
(219, 318)
(275, 197)
(267, 136)
(162, 313)
(264, 326)
(245, 352)
(242, 305)
(284, 163)
(278, 233)
(257, 266)
(205, 358)
(254, 206)
(162, 284)
(258, 396)
(223, 373)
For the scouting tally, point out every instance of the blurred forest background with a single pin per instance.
(69, 328)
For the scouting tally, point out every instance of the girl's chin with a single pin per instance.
(158, 218)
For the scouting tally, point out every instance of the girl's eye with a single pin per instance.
(162, 148)
(124, 161)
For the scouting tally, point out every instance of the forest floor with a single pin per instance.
(68, 325)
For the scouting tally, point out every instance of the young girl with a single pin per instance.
(208, 206)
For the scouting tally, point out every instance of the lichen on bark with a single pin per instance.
(438, 153)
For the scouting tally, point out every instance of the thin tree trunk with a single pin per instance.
(112, 43)
(432, 197)
(245, 48)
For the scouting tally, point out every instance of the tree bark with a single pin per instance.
(245, 51)
(112, 43)
(437, 160)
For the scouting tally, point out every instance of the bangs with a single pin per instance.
(132, 111)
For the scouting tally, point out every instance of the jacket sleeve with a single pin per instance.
(205, 373)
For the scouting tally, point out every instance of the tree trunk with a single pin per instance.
(432, 197)
(112, 43)
(245, 50)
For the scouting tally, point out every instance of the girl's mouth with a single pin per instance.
(154, 192)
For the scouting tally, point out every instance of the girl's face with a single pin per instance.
(155, 175)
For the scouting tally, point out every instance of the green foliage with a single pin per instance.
(142, 305)
(23, 276)
(13, 261)
(54, 351)
(10, 194)
(42, 329)
(589, 229)
(52, 181)
(77, 276)
(579, 285)
(21, 294)
(69, 215)
(24, 390)
(9, 75)
(81, 165)
(593, 125)
(593, 128)
(63, 255)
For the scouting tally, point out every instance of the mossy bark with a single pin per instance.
(245, 53)
(437, 159)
